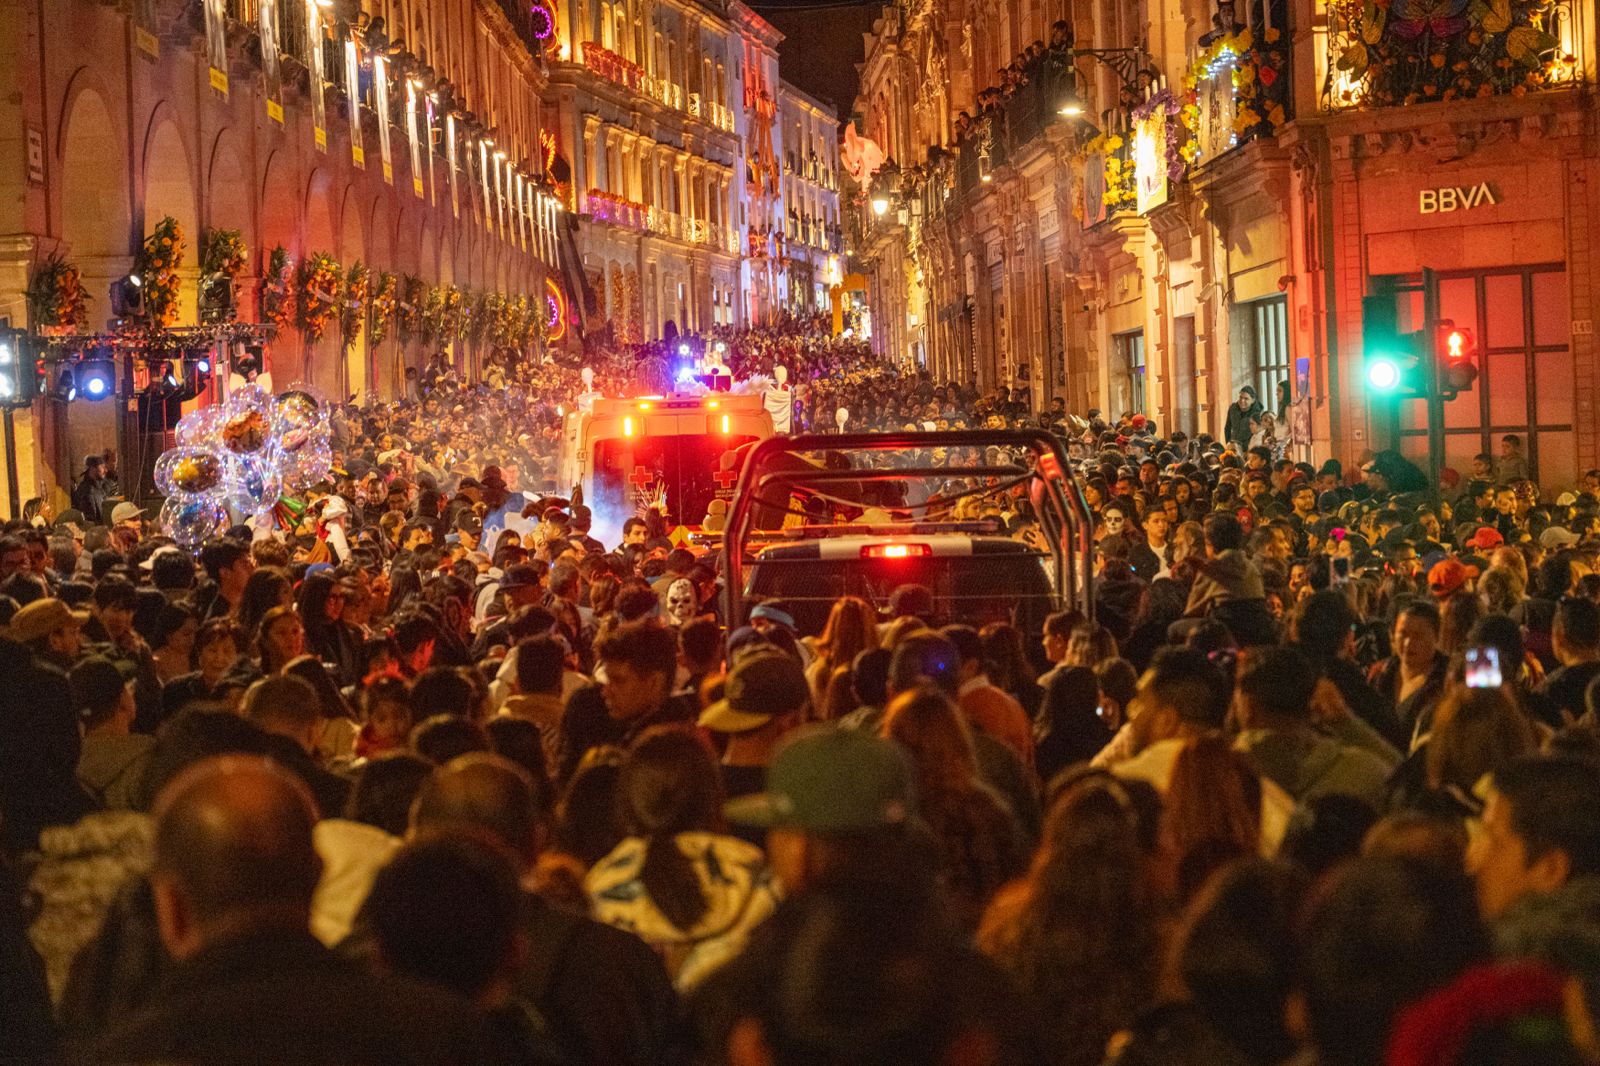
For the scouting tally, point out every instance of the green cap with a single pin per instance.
(824, 779)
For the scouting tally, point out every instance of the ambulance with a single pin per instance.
(675, 452)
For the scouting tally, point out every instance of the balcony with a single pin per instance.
(602, 206)
(1377, 57)
(612, 67)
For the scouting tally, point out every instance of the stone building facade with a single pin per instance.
(1227, 183)
(812, 236)
(403, 134)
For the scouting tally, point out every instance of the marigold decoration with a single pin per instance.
(56, 298)
(511, 323)
(1413, 51)
(452, 315)
(1118, 163)
(382, 306)
(317, 300)
(493, 312)
(413, 303)
(157, 266)
(225, 253)
(277, 301)
(1257, 69)
(353, 305)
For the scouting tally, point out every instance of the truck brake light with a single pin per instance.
(896, 551)
(727, 424)
(627, 427)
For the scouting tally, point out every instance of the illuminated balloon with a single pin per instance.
(299, 407)
(253, 482)
(199, 428)
(191, 522)
(189, 471)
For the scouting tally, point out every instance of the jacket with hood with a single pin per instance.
(739, 891)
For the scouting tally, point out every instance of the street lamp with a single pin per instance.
(1127, 63)
(880, 205)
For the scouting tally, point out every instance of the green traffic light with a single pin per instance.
(1383, 374)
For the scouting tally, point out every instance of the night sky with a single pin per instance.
(821, 48)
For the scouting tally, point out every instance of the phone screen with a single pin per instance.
(1483, 667)
(1339, 569)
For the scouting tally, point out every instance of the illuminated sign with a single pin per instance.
(1449, 198)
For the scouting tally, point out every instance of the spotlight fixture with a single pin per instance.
(216, 297)
(97, 379)
(66, 385)
(127, 296)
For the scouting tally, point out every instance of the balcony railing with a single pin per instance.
(606, 207)
(612, 67)
(1488, 49)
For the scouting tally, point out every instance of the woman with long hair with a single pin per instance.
(1009, 668)
(1071, 727)
(281, 641)
(266, 588)
(677, 881)
(321, 602)
(979, 844)
(852, 628)
(1077, 934)
(338, 739)
(1212, 813)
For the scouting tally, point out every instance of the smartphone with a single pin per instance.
(1483, 667)
(1339, 570)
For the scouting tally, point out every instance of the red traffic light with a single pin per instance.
(1457, 353)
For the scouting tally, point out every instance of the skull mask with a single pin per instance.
(681, 601)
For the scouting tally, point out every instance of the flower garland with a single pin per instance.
(433, 316)
(157, 267)
(353, 308)
(413, 301)
(485, 314)
(1256, 71)
(1120, 194)
(453, 315)
(277, 301)
(511, 325)
(1179, 138)
(385, 300)
(318, 284)
(57, 298)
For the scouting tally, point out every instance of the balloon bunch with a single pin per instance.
(235, 460)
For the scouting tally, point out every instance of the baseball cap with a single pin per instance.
(469, 522)
(1558, 537)
(824, 779)
(126, 512)
(165, 549)
(761, 684)
(1448, 575)
(41, 618)
(1485, 538)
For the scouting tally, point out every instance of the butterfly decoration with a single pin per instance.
(1410, 19)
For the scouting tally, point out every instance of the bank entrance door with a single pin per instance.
(1522, 320)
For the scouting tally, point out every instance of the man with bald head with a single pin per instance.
(232, 880)
(605, 995)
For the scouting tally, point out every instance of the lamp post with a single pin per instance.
(1127, 63)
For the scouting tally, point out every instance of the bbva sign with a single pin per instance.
(1455, 198)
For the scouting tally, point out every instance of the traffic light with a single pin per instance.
(1392, 360)
(19, 384)
(1457, 355)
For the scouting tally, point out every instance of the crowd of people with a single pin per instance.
(1309, 775)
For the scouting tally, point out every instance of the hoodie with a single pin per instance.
(1230, 576)
(739, 891)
